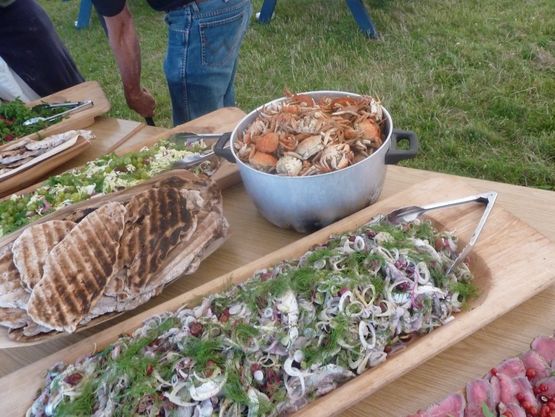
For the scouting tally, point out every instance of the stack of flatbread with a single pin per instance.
(58, 275)
(22, 152)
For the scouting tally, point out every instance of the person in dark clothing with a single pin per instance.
(31, 47)
(204, 37)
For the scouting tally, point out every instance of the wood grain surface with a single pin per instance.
(508, 250)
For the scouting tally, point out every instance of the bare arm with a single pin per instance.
(125, 45)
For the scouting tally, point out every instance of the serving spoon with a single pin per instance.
(81, 106)
(410, 213)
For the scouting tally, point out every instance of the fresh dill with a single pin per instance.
(82, 406)
(202, 351)
(233, 388)
(318, 254)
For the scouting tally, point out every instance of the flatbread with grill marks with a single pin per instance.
(32, 247)
(156, 221)
(13, 318)
(78, 269)
(12, 293)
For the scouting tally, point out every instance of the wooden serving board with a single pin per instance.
(89, 90)
(511, 262)
(222, 120)
(31, 174)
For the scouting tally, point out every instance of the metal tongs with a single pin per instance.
(408, 214)
(79, 105)
(196, 158)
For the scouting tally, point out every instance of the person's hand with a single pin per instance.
(142, 102)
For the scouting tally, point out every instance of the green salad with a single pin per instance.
(14, 113)
(104, 175)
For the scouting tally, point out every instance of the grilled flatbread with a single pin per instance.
(12, 160)
(12, 293)
(157, 220)
(13, 318)
(78, 269)
(56, 140)
(20, 162)
(15, 145)
(32, 247)
(36, 333)
(209, 235)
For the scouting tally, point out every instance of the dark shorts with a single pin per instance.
(32, 48)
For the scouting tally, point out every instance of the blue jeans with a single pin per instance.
(203, 48)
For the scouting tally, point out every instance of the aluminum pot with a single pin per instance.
(307, 203)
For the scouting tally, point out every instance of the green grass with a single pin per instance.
(474, 79)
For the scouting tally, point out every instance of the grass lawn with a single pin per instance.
(474, 79)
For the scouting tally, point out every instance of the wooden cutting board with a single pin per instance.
(511, 262)
(89, 90)
(30, 175)
(227, 173)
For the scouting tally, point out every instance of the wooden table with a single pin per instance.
(253, 237)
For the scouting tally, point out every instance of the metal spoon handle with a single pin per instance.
(480, 198)
(489, 199)
(71, 104)
(86, 104)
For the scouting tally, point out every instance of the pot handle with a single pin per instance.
(221, 150)
(394, 154)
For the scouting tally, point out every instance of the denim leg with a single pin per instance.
(179, 23)
(202, 56)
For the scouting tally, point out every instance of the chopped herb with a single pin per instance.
(265, 407)
(304, 280)
(234, 388)
(466, 290)
(439, 278)
(82, 406)
(319, 254)
(203, 351)
(486, 411)
(395, 232)
(245, 332)
(276, 286)
(425, 231)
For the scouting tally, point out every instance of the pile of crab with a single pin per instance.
(303, 135)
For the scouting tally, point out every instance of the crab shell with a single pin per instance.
(369, 130)
(267, 143)
(289, 165)
(336, 157)
(262, 161)
(309, 147)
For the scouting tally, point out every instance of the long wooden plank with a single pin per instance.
(138, 136)
(508, 250)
